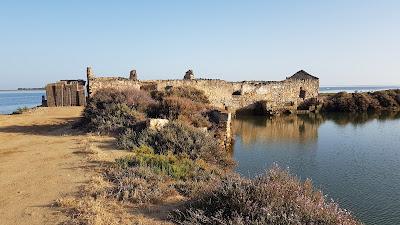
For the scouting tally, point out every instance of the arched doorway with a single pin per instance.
(302, 93)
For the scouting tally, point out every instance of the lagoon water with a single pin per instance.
(354, 160)
(12, 100)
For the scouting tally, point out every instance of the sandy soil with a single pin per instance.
(39, 163)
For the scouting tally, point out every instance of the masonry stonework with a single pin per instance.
(277, 96)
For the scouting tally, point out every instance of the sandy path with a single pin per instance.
(38, 164)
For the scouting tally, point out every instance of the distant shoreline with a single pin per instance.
(26, 89)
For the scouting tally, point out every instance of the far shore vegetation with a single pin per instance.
(183, 160)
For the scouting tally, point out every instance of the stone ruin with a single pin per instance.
(189, 75)
(132, 75)
(65, 93)
(271, 97)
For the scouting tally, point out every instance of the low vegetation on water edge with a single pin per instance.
(183, 159)
(21, 110)
(362, 102)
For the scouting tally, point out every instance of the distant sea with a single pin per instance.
(12, 100)
(352, 89)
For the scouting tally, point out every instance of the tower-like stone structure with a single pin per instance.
(133, 75)
(89, 75)
(189, 75)
(89, 72)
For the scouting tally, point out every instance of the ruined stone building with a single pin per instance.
(276, 96)
(65, 93)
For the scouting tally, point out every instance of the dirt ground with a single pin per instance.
(38, 164)
(43, 160)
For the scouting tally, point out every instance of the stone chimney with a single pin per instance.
(189, 75)
(89, 72)
(133, 75)
(89, 75)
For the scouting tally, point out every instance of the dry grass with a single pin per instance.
(93, 204)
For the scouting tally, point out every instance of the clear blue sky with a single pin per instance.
(342, 42)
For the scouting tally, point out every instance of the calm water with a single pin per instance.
(352, 89)
(355, 161)
(12, 100)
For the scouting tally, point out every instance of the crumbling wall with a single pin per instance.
(233, 96)
(66, 93)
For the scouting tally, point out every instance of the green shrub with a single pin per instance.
(20, 110)
(146, 177)
(179, 139)
(275, 198)
(177, 167)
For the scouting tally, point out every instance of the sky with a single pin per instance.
(343, 42)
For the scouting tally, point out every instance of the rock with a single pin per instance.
(157, 124)
(133, 75)
(203, 129)
(189, 75)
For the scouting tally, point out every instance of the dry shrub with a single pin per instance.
(362, 102)
(111, 110)
(138, 184)
(112, 118)
(137, 99)
(385, 98)
(178, 138)
(275, 198)
(146, 177)
(188, 92)
(184, 109)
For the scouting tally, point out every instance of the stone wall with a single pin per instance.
(276, 95)
(65, 93)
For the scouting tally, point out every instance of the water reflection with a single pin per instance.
(280, 129)
(298, 128)
(354, 159)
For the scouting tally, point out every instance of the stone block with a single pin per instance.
(50, 94)
(157, 124)
(81, 98)
(67, 95)
(74, 95)
(59, 94)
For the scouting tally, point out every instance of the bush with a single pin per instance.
(190, 93)
(179, 139)
(111, 110)
(135, 99)
(146, 177)
(138, 184)
(184, 109)
(362, 102)
(20, 110)
(178, 167)
(112, 118)
(275, 198)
